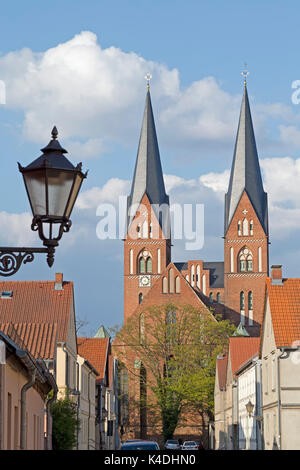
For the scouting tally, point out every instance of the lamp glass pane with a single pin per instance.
(59, 188)
(75, 190)
(35, 183)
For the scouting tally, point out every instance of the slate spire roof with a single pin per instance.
(148, 175)
(245, 170)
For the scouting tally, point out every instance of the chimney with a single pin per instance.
(276, 274)
(58, 281)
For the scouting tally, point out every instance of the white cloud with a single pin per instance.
(95, 95)
(173, 181)
(89, 149)
(218, 182)
(15, 229)
(109, 192)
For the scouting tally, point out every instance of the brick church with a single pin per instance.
(234, 287)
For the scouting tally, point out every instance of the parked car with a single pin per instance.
(199, 444)
(189, 445)
(172, 444)
(140, 445)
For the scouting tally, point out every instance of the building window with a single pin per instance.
(218, 297)
(171, 318)
(250, 300)
(145, 262)
(149, 265)
(193, 275)
(140, 298)
(251, 227)
(211, 297)
(142, 267)
(165, 285)
(150, 231)
(242, 301)
(177, 285)
(245, 260)
(139, 230)
(239, 228)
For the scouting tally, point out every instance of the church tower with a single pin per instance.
(246, 233)
(147, 245)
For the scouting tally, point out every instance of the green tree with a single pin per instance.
(65, 424)
(177, 346)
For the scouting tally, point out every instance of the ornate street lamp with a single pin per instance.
(249, 408)
(52, 184)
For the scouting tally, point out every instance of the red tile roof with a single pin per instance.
(95, 350)
(222, 371)
(37, 302)
(285, 311)
(39, 339)
(241, 350)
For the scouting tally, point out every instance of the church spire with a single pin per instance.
(245, 170)
(148, 175)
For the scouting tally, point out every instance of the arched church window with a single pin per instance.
(140, 298)
(250, 300)
(239, 228)
(149, 265)
(211, 297)
(142, 265)
(150, 231)
(242, 301)
(218, 297)
(251, 227)
(144, 262)
(245, 260)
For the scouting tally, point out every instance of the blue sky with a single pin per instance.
(81, 65)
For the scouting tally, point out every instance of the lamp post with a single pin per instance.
(52, 184)
(249, 408)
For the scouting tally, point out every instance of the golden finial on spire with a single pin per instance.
(148, 77)
(245, 73)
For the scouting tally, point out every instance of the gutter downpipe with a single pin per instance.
(279, 396)
(25, 387)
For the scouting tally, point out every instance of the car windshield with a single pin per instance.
(139, 447)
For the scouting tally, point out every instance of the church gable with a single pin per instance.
(245, 222)
(171, 287)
